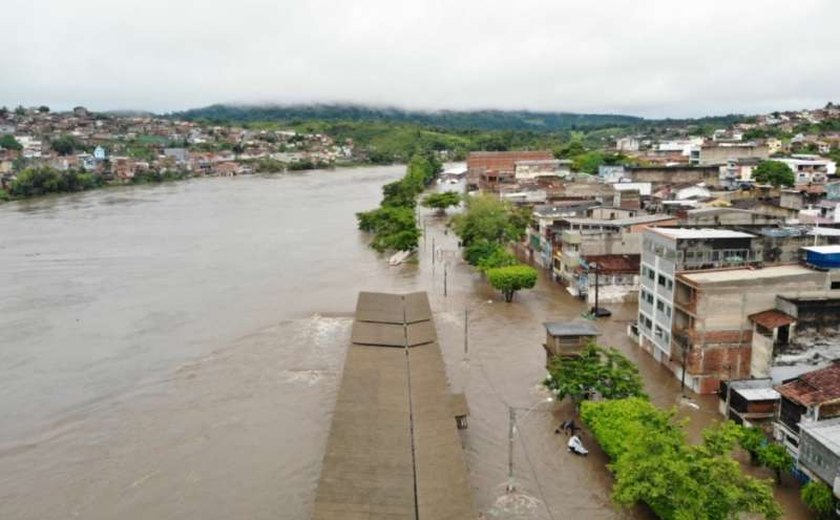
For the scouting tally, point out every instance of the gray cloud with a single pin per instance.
(653, 58)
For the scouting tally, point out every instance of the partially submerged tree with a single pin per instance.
(511, 279)
(819, 499)
(441, 201)
(775, 457)
(487, 218)
(601, 370)
(652, 463)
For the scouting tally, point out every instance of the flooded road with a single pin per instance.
(174, 351)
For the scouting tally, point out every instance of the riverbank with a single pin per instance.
(49, 182)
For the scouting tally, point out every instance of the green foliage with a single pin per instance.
(480, 249)
(487, 218)
(65, 144)
(393, 224)
(154, 176)
(653, 464)
(20, 111)
(500, 257)
(44, 109)
(269, 165)
(601, 370)
(441, 201)
(33, 182)
(4, 195)
(511, 279)
(752, 440)
(819, 498)
(307, 164)
(777, 458)
(9, 142)
(774, 172)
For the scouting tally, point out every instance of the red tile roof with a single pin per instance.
(815, 387)
(772, 319)
(615, 264)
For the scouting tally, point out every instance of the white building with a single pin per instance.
(667, 251)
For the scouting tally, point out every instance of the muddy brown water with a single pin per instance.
(174, 351)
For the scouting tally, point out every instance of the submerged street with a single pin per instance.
(174, 351)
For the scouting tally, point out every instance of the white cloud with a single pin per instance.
(655, 58)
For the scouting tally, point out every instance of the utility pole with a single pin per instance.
(511, 433)
(445, 265)
(466, 331)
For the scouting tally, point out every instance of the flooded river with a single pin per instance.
(174, 351)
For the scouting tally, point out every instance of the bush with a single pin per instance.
(819, 498)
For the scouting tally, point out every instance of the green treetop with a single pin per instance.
(774, 172)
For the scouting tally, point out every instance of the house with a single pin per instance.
(577, 238)
(613, 278)
(488, 170)
(823, 257)
(567, 338)
(99, 153)
(809, 168)
(819, 452)
(711, 326)
(808, 399)
(723, 153)
(749, 402)
(611, 173)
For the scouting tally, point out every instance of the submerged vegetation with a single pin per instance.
(393, 224)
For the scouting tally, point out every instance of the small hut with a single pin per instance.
(567, 338)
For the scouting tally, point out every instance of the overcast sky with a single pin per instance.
(644, 57)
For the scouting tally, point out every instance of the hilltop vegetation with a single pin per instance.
(445, 119)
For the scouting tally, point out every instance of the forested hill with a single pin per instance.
(452, 120)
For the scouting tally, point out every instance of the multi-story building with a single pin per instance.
(808, 399)
(667, 251)
(711, 327)
(723, 153)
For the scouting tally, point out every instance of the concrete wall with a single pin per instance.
(723, 154)
(661, 175)
(762, 355)
(810, 451)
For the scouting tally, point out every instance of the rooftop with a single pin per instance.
(772, 319)
(692, 233)
(826, 432)
(815, 387)
(627, 221)
(571, 328)
(745, 273)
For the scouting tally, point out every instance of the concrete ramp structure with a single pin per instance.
(393, 450)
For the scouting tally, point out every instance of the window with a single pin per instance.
(660, 306)
(651, 274)
(658, 332)
(648, 323)
(661, 280)
(670, 284)
(668, 310)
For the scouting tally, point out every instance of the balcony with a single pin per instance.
(571, 237)
(688, 306)
(571, 259)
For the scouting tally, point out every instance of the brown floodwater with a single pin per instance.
(174, 351)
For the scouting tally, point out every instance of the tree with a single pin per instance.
(601, 370)
(441, 201)
(500, 257)
(819, 498)
(752, 441)
(44, 109)
(652, 463)
(776, 458)
(774, 172)
(4, 110)
(65, 144)
(511, 279)
(487, 218)
(20, 111)
(394, 228)
(9, 142)
(479, 250)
